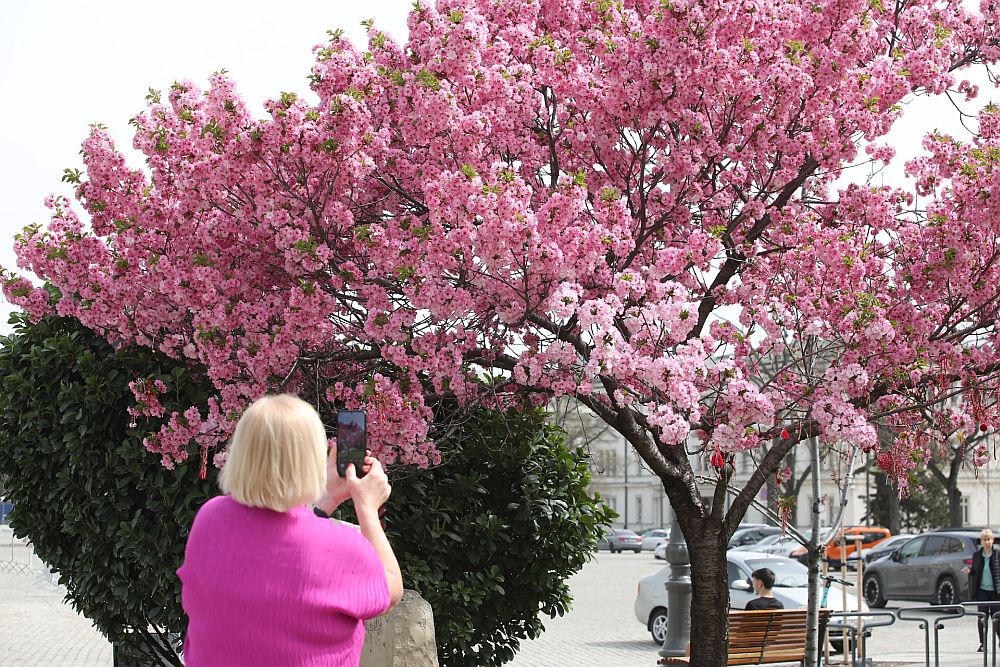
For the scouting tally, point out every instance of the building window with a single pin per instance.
(610, 463)
(965, 510)
(638, 509)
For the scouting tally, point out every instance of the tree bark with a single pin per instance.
(950, 483)
(954, 507)
(709, 593)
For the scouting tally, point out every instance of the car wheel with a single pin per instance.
(658, 626)
(612, 550)
(873, 591)
(638, 551)
(837, 645)
(946, 591)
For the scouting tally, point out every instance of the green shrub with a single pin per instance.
(98, 508)
(488, 538)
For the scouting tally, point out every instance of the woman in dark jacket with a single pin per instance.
(984, 580)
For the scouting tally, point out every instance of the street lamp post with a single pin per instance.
(678, 587)
(625, 461)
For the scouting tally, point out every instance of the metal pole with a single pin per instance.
(868, 490)
(812, 652)
(625, 460)
(843, 588)
(678, 587)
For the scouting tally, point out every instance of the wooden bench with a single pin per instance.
(765, 637)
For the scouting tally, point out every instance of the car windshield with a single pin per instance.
(787, 573)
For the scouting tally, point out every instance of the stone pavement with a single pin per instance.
(37, 629)
(602, 629)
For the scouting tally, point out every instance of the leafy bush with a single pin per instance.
(490, 537)
(97, 507)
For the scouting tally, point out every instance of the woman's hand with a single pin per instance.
(337, 489)
(371, 491)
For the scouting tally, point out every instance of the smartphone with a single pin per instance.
(352, 441)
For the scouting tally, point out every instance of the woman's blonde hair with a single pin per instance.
(277, 455)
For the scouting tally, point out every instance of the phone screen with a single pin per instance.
(352, 441)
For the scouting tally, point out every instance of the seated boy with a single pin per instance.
(763, 582)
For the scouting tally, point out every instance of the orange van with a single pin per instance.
(871, 535)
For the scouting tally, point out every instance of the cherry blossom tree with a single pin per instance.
(635, 203)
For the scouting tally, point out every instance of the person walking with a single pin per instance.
(984, 581)
(763, 583)
(264, 580)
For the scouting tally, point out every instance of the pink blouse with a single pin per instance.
(276, 588)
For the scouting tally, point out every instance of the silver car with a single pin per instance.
(620, 540)
(790, 587)
(880, 550)
(779, 545)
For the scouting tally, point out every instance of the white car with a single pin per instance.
(654, 537)
(790, 587)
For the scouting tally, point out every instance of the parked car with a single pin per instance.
(927, 568)
(778, 545)
(660, 552)
(791, 587)
(621, 540)
(653, 537)
(881, 550)
(762, 544)
(751, 534)
(871, 536)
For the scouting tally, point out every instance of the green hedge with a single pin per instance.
(97, 507)
(491, 537)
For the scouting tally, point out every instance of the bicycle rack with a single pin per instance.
(940, 614)
(867, 625)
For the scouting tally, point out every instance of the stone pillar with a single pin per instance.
(678, 587)
(403, 637)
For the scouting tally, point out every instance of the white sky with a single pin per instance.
(65, 64)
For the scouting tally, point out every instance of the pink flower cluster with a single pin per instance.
(147, 397)
(632, 203)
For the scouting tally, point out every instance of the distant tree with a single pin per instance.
(921, 509)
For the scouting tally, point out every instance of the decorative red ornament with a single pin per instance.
(884, 461)
(784, 434)
(717, 459)
(983, 427)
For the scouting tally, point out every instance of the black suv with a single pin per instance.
(928, 568)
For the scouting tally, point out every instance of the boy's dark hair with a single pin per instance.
(765, 576)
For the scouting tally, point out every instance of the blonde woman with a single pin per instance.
(264, 580)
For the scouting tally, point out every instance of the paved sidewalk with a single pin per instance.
(37, 629)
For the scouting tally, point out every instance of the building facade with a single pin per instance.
(628, 487)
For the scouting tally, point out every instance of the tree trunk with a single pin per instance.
(709, 596)
(954, 506)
